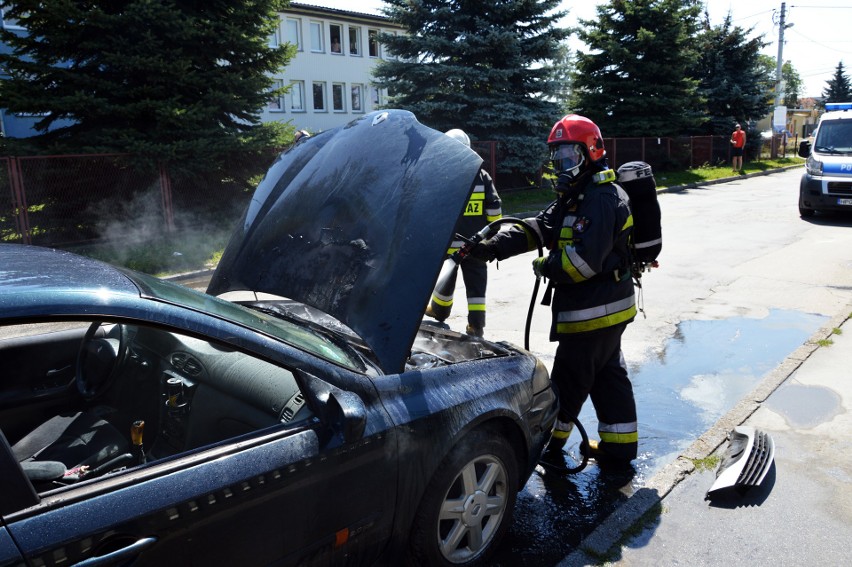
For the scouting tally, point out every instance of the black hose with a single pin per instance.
(529, 230)
(583, 462)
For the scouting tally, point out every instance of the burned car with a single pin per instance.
(299, 412)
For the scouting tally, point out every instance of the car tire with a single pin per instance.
(467, 507)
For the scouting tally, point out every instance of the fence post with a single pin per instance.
(166, 193)
(19, 200)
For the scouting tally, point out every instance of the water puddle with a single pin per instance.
(703, 372)
(805, 407)
(707, 367)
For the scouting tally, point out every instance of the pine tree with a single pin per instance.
(180, 80)
(636, 79)
(734, 81)
(480, 65)
(838, 88)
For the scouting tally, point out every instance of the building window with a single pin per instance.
(319, 97)
(294, 32)
(275, 37)
(373, 42)
(276, 99)
(297, 96)
(376, 96)
(316, 36)
(337, 103)
(357, 105)
(335, 33)
(354, 41)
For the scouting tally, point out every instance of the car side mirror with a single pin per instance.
(351, 415)
(804, 148)
(343, 413)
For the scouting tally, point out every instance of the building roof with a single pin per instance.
(338, 12)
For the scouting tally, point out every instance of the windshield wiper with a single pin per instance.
(824, 150)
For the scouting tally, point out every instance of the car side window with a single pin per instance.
(136, 394)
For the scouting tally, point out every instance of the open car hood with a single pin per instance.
(356, 222)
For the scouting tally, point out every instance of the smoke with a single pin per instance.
(134, 232)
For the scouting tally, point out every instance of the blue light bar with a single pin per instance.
(838, 106)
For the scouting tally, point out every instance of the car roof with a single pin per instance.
(34, 268)
(356, 222)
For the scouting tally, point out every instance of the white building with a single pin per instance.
(330, 76)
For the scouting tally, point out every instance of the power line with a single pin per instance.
(822, 44)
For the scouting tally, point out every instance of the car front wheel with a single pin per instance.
(468, 506)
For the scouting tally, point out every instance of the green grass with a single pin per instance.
(708, 173)
(163, 255)
(187, 251)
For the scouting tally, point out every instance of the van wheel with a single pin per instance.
(468, 505)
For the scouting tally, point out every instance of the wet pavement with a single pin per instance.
(801, 514)
(704, 370)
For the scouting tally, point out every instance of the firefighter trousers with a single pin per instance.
(593, 366)
(475, 276)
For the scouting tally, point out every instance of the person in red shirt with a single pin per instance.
(738, 139)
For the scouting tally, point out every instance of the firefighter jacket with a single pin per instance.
(588, 258)
(482, 208)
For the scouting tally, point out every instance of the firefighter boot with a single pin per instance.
(431, 313)
(558, 439)
(594, 451)
(475, 331)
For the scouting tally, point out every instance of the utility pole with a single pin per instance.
(779, 118)
(779, 83)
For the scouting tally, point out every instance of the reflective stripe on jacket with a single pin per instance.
(588, 259)
(483, 207)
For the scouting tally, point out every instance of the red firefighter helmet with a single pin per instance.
(576, 129)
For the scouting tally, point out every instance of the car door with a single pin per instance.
(317, 490)
(38, 362)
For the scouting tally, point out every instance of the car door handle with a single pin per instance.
(124, 553)
(54, 372)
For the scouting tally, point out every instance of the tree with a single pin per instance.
(838, 88)
(734, 80)
(480, 66)
(792, 85)
(180, 81)
(562, 67)
(636, 79)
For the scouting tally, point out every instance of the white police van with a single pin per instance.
(827, 182)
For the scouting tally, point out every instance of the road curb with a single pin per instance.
(678, 188)
(601, 543)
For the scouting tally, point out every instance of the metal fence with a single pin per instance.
(76, 199)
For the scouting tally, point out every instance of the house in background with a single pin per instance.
(329, 78)
(16, 125)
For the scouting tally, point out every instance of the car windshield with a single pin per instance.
(299, 336)
(834, 136)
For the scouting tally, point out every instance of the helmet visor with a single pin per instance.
(565, 157)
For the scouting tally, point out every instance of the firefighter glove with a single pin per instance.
(539, 266)
(485, 251)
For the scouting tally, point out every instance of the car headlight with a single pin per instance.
(813, 166)
(541, 377)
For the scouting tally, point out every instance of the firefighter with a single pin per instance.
(586, 231)
(483, 208)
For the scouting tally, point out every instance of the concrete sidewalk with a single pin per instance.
(800, 515)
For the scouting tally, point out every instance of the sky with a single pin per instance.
(817, 41)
